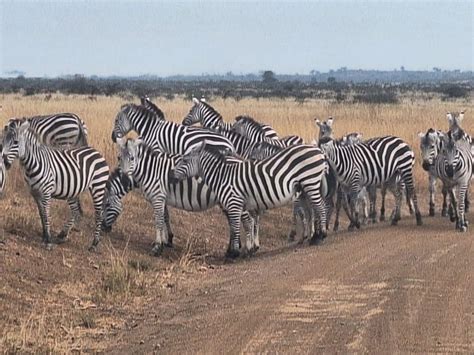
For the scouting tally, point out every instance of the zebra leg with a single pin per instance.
(382, 206)
(432, 189)
(44, 202)
(339, 200)
(298, 225)
(256, 231)
(75, 207)
(407, 178)
(462, 223)
(444, 209)
(97, 193)
(159, 206)
(234, 216)
(248, 224)
(467, 203)
(169, 242)
(454, 208)
(354, 206)
(398, 194)
(365, 210)
(373, 200)
(318, 207)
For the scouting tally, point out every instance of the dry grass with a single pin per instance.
(69, 299)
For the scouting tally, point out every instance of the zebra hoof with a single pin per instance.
(452, 218)
(232, 253)
(157, 250)
(48, 246)
(62, 237)
(291, 236)
(432, 212)
(394, 222)
(315, 240)
(169, 244)
(444, 212)
(335, 228)
(93, 248)
(382, 218)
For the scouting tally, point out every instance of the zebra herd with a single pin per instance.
(243, 167)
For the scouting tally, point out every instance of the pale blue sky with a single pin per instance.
(165, 38)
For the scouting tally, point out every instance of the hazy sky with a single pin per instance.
(165, 38)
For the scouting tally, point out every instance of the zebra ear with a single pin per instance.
(318, 122)
(359, 135)
(330, 121)
(203, 99)
(461, 116)
(449, 117)
(195, 101)
(421, 134)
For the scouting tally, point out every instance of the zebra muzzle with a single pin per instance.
(426, 165)
(450, 171)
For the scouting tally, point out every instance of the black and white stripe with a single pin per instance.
(3, 174)
(454, 166)
(165, 136)
(59, 174)
(61, 130)
(257, 186)
(371, 164)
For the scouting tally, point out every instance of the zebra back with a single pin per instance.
(166, 136)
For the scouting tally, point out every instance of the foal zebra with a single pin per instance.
(62, 130)
(454, 166)
(59, 174)
(256, 186)
(369, 165)
(159, 134)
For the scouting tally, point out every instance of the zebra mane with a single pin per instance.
(219, 154)
(150, 106)
(251, 122)
(209, 107)
(142, 110)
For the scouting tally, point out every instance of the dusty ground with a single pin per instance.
(380, 290)
(384, 289)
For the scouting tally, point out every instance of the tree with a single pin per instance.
(268, 77)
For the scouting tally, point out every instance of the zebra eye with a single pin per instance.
(132, 158)
(15, 142)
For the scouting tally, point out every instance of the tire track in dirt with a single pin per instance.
(389, 289)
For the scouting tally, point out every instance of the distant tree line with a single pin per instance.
(268, 85)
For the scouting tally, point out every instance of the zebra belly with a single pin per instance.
(190, 195)
(261, 203)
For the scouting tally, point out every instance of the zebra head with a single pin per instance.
(150, 106)
(189, 164)
(117, 187)
(10, 147)
(325, 128)
(122, 123)
(128, 156)
(449, 154)
(429, 147)
(196, 114)
(352, 138)
(454, 120)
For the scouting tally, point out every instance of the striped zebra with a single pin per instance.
(257, 132)
(59, 174)
(430, 145)
(457, 132)
(396, 184)
(370, 165)
(163, 135)
(147, 103)
(62, 130)
(3, 173)
(454, 166)
(203, 113)
(243, 186)
(302, 213)
(150, 170)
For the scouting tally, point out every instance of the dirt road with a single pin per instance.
(385, 289)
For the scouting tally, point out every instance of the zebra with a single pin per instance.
(3, 173)
(59, 174)
(366, 165)
(326, 132)
(454, 166)
(243, 186)
(147, 103)
(166, 136)
(149, 170)
(430, 145)
(457, 132)
(211, 119)
(302, 213)
(61, 130)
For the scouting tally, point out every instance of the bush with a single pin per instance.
(376, 98)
